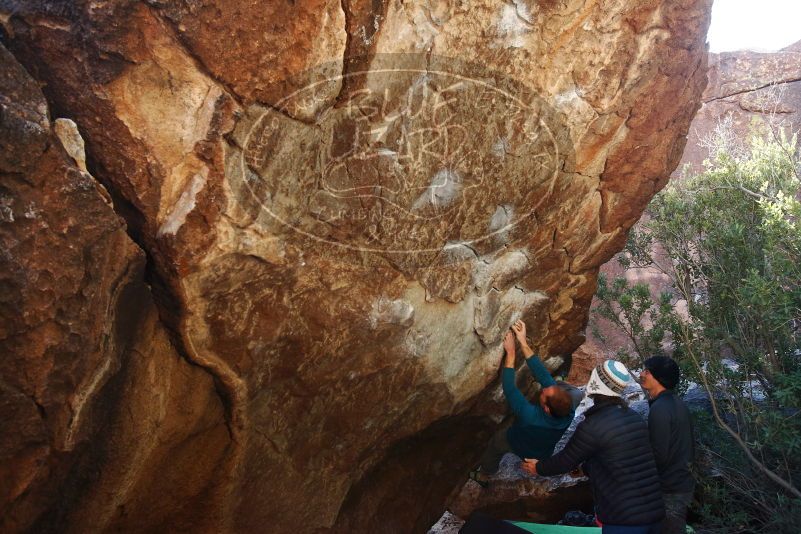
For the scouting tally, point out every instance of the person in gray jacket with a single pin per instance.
(671, 431)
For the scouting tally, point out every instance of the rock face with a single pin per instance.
(747, 92)
(342, 207)
(99, 412)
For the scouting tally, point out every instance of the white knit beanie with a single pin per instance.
(609, 378)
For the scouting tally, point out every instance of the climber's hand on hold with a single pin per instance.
(520, 331)
(529, 465)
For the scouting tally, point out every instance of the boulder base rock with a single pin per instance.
(343, 207)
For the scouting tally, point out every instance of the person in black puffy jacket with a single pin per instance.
(614, 447)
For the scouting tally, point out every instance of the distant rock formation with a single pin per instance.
(746, 90)
(334, 210)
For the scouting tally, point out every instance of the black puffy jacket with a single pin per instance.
(613, 444)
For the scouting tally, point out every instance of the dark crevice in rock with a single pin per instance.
(362, 25)
(754, 108)
(348, 43)
(170, 310)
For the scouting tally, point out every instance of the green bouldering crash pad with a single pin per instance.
(554, 529)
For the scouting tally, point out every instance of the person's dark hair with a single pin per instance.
(560, 403)
(665, 370)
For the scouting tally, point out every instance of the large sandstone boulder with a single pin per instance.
(344, 205)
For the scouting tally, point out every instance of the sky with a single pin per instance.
(763, 25)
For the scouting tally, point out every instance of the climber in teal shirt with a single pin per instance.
(537, 427)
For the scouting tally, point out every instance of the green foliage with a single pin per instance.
(733, 498)
(729, 242)
(632, 310)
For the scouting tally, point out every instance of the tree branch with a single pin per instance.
(744, 446)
